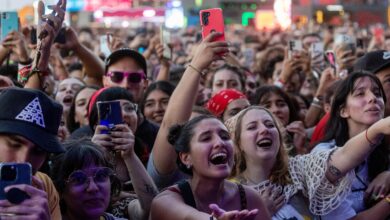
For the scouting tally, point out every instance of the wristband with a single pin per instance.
(196, 70)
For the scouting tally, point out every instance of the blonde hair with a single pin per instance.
(279, 172)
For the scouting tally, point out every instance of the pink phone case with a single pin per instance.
(211, 20)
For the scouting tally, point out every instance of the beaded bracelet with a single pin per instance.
(198, 71)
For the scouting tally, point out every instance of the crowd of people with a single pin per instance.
(241, 129)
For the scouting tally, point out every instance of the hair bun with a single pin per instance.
(174, 133)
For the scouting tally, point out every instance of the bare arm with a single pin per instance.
(93, 65)
(170, 206)
(356, 150)
(46, 34)
(181, 101)
(378, 212)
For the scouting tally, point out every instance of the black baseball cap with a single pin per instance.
(373, 61)
(33, 115)
(126, 52)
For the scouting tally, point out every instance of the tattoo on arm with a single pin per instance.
(334, 171)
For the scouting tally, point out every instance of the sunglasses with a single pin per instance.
(99, 175)
(132, 77)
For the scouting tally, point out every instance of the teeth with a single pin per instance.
(218, 155)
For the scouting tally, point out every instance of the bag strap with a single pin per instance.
(243, 201)
(186, 193)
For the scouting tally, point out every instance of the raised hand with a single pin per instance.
(34, 208)
(209, 51)
(221, 214)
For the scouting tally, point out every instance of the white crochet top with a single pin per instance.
(308, 175)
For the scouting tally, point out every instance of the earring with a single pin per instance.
(188, 166)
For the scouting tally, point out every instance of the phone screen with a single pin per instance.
(166, 40)
(9, 22)
(294, 46)
(104, 46)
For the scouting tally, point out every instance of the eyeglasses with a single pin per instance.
(132, 77)
(80, 178)
(129, 107)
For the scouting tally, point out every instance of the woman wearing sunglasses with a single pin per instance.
(85, 181)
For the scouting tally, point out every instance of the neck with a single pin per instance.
(207, 191)
(355, 129)
(256, 173)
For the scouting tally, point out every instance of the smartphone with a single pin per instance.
(60, 38)
(348, 42)
(211, 20)
(33, 36)
(249, 54)
(104, 46)
(109, 113)
(294, 46)
(316, 49)
(330, 58)
(9, 22)
(166, 41)
(12, 174)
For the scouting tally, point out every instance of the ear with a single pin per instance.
(185, 158)
(106, 81)
(344, 113)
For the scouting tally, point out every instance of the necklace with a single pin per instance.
(205, 208)
(248, 180)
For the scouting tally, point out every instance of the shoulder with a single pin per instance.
(323, 146)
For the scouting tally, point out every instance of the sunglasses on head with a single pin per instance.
(132, 77)
(80, 178)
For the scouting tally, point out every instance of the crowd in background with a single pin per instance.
(247, 128)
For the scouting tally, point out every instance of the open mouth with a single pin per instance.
(67, 100)
(264, 143)
(219, 158)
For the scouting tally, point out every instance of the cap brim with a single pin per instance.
(45, 141)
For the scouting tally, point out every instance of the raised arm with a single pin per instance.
(92, 64)
(182, 100)
(356, 150)
(46, 32)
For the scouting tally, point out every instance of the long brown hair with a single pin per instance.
(279, 172)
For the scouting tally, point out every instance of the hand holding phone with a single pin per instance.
(211, 20)
(13, 174)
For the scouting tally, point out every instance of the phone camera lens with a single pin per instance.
(8, 173)
(205, 18)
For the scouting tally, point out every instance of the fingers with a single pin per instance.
(216, 211)
(212, 36)
(100, 128)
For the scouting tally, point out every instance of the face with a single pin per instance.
(155, 106)
(89, 200)
(364, 105)
(127, 64)
(384, 77)
(259, 138)
(211, 152)
(235, 107)
(129, 114)
(66, 91)
(294, 84)
(226, 79)
(15, 148)
(309, 40)
(302, 107)
(278, 106)
(81, 104)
